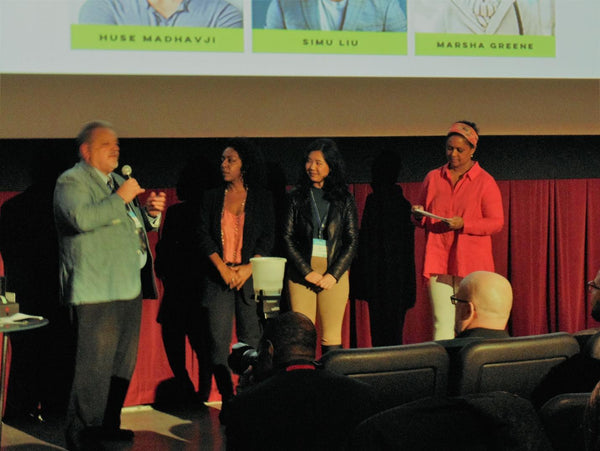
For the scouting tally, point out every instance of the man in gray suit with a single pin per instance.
(105, 272)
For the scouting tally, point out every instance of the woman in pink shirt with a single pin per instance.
(468, 201)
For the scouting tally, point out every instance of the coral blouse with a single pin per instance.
(232, 233)
(477, 199)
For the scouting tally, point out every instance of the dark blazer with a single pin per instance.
(341, 234)
(259, 226)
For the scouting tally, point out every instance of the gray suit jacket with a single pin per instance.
(98, 243)
(361, 15)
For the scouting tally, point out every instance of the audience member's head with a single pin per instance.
(483, 300)
(287, 338)
(300, 406)
(594, 290)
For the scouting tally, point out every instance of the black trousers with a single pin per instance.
(223, 305)
(107, 343)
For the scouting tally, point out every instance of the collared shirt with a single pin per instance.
(372, 15)
(533, 17)
(190, 13)
(477, 199)
(153, 220)
(332, 14)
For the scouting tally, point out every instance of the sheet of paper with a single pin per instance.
(17, 318)
(431, 215)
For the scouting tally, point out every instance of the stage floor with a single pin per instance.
(182, 429)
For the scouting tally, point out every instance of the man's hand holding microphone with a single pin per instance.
(130, 189)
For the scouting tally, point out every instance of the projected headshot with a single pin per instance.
(176, 13)
(331, 15)
(485, 17)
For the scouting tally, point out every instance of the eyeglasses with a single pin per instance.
(591, 285)
(454, 300)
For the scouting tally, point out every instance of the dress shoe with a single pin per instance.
(117, 435)
(81, 441)
(102, 433)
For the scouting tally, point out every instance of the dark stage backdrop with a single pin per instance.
(158, 161)
(547, 247)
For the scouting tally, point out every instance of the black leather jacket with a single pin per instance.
(341, 234)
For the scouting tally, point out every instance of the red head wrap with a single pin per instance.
(466, 131)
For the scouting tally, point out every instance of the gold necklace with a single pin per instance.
(237, 236)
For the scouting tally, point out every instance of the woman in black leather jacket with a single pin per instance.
(320, 238)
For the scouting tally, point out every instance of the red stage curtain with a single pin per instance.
(569, 241)
(592, 240)
(529, 230)
(547, 249)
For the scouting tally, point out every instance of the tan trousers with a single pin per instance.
(327, 306)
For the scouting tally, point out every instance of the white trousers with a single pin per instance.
(441, 287)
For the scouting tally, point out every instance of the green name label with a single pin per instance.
(178, 39)
(434, 44)
(341, 42)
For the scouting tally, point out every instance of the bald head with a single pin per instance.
(490, 302)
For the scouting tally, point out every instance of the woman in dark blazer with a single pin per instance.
(320, 238)
(236, 224)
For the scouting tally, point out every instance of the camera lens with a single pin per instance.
(242, 356)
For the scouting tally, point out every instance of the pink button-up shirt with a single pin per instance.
(476, 198)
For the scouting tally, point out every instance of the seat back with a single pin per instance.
(400, 374)
(515, 365)
(482, 421)
(592, 346)
(583, 336)
(562, 417)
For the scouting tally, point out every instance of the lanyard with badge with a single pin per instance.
(319, 248)
(139, 228)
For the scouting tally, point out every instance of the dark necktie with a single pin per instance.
(113, 187)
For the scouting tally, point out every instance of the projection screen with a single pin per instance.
(358, 38)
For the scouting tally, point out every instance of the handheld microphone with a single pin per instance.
(126, 171)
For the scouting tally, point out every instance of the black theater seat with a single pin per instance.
(399, 373)
(515, 365)
(582, 336)
(562, 417)
(592, 346)
(476, 422)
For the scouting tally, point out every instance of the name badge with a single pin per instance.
(134, 218)
(319, 248)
